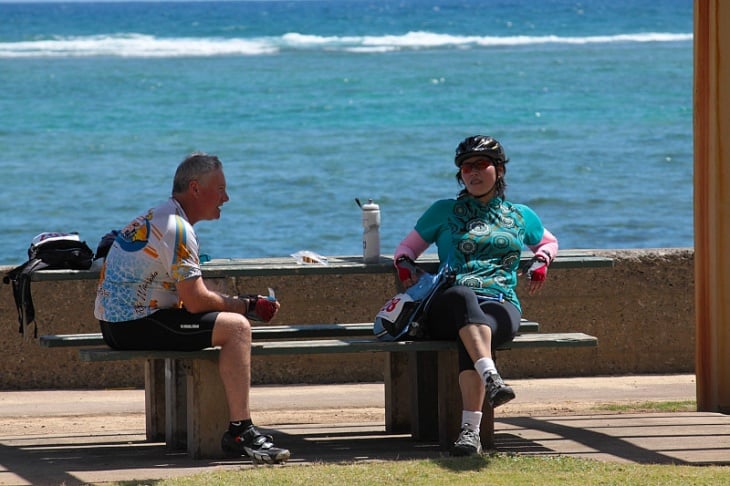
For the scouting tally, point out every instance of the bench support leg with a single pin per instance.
(450, 405)
(487, 427)
(423, 372)
(449, 398)
(397, 399)
(424, 401)
(154, 399)
(207, 409)
(176, 405)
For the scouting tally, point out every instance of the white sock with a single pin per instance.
(471, 420)
(484, 366)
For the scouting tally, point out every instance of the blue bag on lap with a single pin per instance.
(402, 316)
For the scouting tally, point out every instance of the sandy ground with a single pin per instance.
(115, 411)
(84, 437)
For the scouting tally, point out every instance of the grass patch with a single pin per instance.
(661, 407)
(496, 470)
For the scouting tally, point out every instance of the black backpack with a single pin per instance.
(49, 251)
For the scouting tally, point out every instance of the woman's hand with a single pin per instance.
(536, 272)
(408, 272)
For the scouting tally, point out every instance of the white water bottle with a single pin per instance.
(370, 232)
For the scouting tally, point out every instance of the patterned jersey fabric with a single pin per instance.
(147, 260)
(482, 242)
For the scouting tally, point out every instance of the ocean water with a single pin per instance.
(311, 104)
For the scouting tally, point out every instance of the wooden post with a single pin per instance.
(176, 395)
(712, 203)
(423, 372)
(207, 409)
(154, 399)
(397, 394)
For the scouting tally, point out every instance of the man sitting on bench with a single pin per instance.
(151, 295)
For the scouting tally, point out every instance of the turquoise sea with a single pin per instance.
(313, 103)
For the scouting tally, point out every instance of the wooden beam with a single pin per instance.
(712, 203)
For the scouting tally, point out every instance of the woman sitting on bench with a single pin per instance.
(480, 235)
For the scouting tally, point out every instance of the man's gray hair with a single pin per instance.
(195, 166)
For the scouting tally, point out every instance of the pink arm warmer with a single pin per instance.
(412, 246)
(547, 248)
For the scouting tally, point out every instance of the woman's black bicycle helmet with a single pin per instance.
(480, 145)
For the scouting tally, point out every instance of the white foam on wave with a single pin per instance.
(135, 45)
(147, 46)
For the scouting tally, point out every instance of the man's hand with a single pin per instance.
(536, 271)
(261, 308)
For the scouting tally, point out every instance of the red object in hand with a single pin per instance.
(406, 268)
(536, 269)
(261, 308)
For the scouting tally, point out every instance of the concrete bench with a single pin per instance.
(185, 398)
(338, 265)
(302, 331)
(412, 403)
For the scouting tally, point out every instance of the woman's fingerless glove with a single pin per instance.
(406, 268)
(536, 269)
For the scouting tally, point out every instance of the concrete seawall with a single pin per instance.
(641, 310)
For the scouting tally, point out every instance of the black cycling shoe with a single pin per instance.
(257, 446)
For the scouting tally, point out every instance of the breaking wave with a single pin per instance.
(134, 45)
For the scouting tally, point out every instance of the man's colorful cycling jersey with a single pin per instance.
(146, 261)
(482, 242)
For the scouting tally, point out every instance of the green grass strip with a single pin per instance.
(495, 470)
